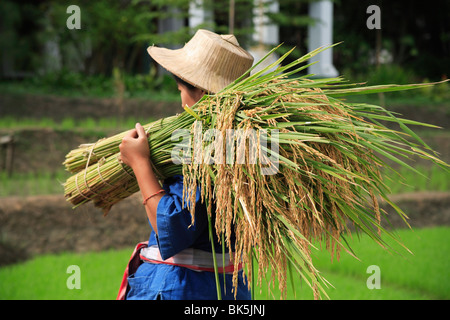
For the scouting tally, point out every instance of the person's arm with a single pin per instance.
(135, 153)
(173, 224)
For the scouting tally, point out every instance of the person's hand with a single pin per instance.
(134, 147)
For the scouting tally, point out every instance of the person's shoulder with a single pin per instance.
(177, 179)
(174, 185)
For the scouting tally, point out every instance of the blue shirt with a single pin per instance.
(175, 233)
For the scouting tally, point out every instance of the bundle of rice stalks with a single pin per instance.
(309, 170)
(100, 177)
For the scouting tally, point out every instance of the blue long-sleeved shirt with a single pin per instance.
(175, 233)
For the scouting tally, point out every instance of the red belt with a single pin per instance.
(193, 259)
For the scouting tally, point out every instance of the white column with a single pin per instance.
(321, 34)
(52, 54)
(266, 35)
(171, 23)
(200, 15)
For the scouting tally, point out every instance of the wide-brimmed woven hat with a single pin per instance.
(208, 61)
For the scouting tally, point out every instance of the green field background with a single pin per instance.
(421, 274)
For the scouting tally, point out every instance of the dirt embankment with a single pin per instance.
(48, 224)
(59, 108)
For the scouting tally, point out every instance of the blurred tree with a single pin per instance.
(233, 17)
(416, 34)
(105, 40)
(157, 10)
(19, 41)
(115, 33)
(293, 20)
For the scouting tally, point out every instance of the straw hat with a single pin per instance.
(208, 61)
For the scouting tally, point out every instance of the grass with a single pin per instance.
(69, 123)
(45, 276)
(421, 275)
(138, 86)
(432, 178)
(32, 183)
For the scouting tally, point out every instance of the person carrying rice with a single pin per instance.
(177, 262)
(331, 159)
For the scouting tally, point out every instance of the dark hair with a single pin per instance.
(184, 83)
